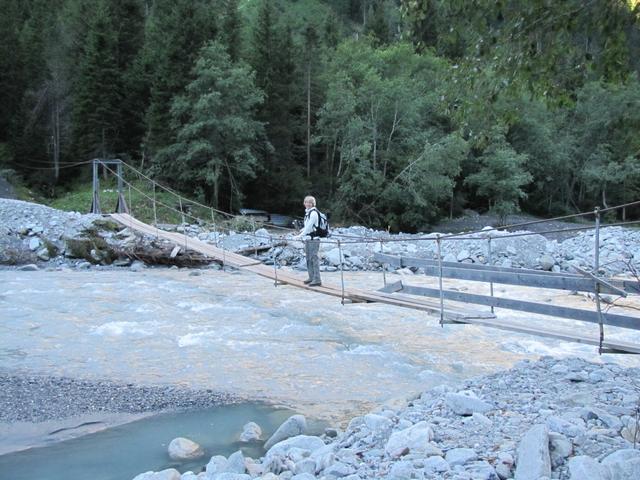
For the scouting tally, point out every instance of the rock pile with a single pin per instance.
(31, 233)
(550, 419)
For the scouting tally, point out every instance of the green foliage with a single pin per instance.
(501, 176)
(502, 105)
(216, 130)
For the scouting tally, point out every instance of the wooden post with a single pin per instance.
(341, 269)
(596, 273)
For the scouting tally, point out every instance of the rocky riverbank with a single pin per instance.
(35, 236)
(548, 419)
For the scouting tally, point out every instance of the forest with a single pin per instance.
(393, 113)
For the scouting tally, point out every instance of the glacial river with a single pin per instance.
(235, 332)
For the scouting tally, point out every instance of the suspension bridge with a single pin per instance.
(431, 300)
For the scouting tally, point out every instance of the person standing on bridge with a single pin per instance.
(312, 241)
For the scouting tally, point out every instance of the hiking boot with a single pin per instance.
(307, 281)
(315, 284)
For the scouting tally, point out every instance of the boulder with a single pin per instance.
(533, 459)
(184, 449)
(584, 467)
(236, 463)
(481, 470)
(415, 438)
(460, 456)
(623, 464)
(466, 403)
(250, 432)
(292, 427)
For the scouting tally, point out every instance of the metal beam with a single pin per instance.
(623, 321)
(522, 277)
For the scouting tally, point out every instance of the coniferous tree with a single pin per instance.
(98, 88)
(175, 32)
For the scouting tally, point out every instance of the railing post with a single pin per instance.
(95, 203)
(438, 244)
(275, 264)
(341, 269)
(181, 210)
(130, 202)
(384, 265)
(490, 260)
(596, 262)
(155, 210)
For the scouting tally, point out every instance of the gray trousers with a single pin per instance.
(311, 249)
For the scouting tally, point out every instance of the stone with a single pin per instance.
(462, 255)
(464, 403)
(302, 442)
(217, 464)
(546, 262)
(481, 470)
(292, 427)
(402, 471)
(236, 463)
(333, 257)
(623, 464)
(168, 474)
(303, 476)
(34, 244)
(250, 432)
(559, 447)
(436, 464)
(184, 449)
(584, 467)
(460, 456)
(377, 423)
(560, 425)
(415, 438)
(230, 476)
(339, 469)
(28, 268)
(533, 459)
(137, 266)
(43, 254)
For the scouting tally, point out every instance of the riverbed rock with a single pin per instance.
(415, 439)
(250, 432)
(466, 403)
(293, 426)
(184, 449)
(168, 474)
(533, 459)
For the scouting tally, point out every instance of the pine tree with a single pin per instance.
(175, 32)
(98, 88)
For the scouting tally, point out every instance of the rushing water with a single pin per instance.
(235, 332)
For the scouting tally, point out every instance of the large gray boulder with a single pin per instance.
(466, 403)
(292, 427)
(415, 438)
(623, 464)
(251, 432)
(533, 459)
(184, 449)
(584, 467)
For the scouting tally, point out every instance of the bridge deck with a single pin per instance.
(239, 261)
(451, 314)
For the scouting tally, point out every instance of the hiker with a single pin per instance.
(312, 241)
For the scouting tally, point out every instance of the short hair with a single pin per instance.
(311, 199)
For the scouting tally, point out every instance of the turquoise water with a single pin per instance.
(123, 452)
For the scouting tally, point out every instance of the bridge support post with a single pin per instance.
(95, 202)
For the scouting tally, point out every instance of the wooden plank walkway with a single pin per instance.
(239, 261)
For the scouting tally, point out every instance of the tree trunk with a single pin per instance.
(308, 118)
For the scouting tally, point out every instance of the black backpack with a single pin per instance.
(322, 229)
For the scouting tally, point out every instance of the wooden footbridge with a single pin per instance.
(405, 296)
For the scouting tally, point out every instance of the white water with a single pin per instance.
(236, 332)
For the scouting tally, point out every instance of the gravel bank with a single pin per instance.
(34, 398)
